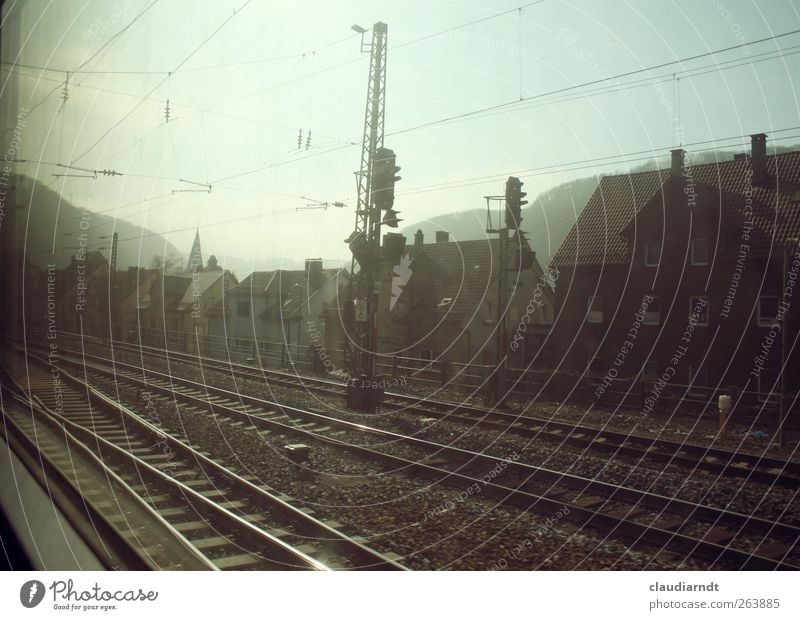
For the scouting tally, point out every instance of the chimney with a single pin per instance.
(758, 156)
(314, 273)
(676, 169)
(442, 236)
(419, 239)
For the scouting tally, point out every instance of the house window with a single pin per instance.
(650, 371)
(699, 252)
(652, 313)
(698, 309)
(426, 354)
(652, 252)
(488, 315)
(698, 380)
(767, 310)
(243, 309)
(595, 314)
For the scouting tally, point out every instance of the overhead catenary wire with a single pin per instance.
(161, 82)
(509, 104)
(637, 83)
(542, 171)
(589, 163)
(577, 86)
(539, 99)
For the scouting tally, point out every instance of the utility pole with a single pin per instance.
(790, 244)
(513, 202)
(492, 389)
(114, 295)
(113, 266)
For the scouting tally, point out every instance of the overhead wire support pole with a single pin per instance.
(368, 216)
(493, 388)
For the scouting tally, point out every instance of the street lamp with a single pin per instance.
(361, 31)
(790, 243)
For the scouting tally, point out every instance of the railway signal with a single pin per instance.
(384, 169)
(390, 219)
(514, 202)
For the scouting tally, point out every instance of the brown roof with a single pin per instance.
(293, 290)
(595, 238)
(286, 290)
(464, 270)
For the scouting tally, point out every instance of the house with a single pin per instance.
(83, 291)
(133, 300)
(441, 301)
(173, 308)
(677, 275)
(281, 307)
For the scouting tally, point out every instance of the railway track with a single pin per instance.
(230, 521)
(722, 462)
(124, 534)
(719, 536)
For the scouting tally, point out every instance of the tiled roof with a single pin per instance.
(595, 238)
(256, 282)
(289, 290)
(464, 271)
(199, 283)
(174, 284)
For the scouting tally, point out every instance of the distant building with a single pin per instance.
(440, 301)
(280, 306)
(83, 293)
(173, 308)
(677, 274)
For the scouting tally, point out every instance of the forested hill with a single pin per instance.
(54, 221)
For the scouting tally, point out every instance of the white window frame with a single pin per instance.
(589, 312)
(692, 305)
(767, 321)
(692, 252)
(646, 253)
(648, 320)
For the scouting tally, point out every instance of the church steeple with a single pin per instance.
(195, 256)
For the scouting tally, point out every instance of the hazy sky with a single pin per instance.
(239, 101)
